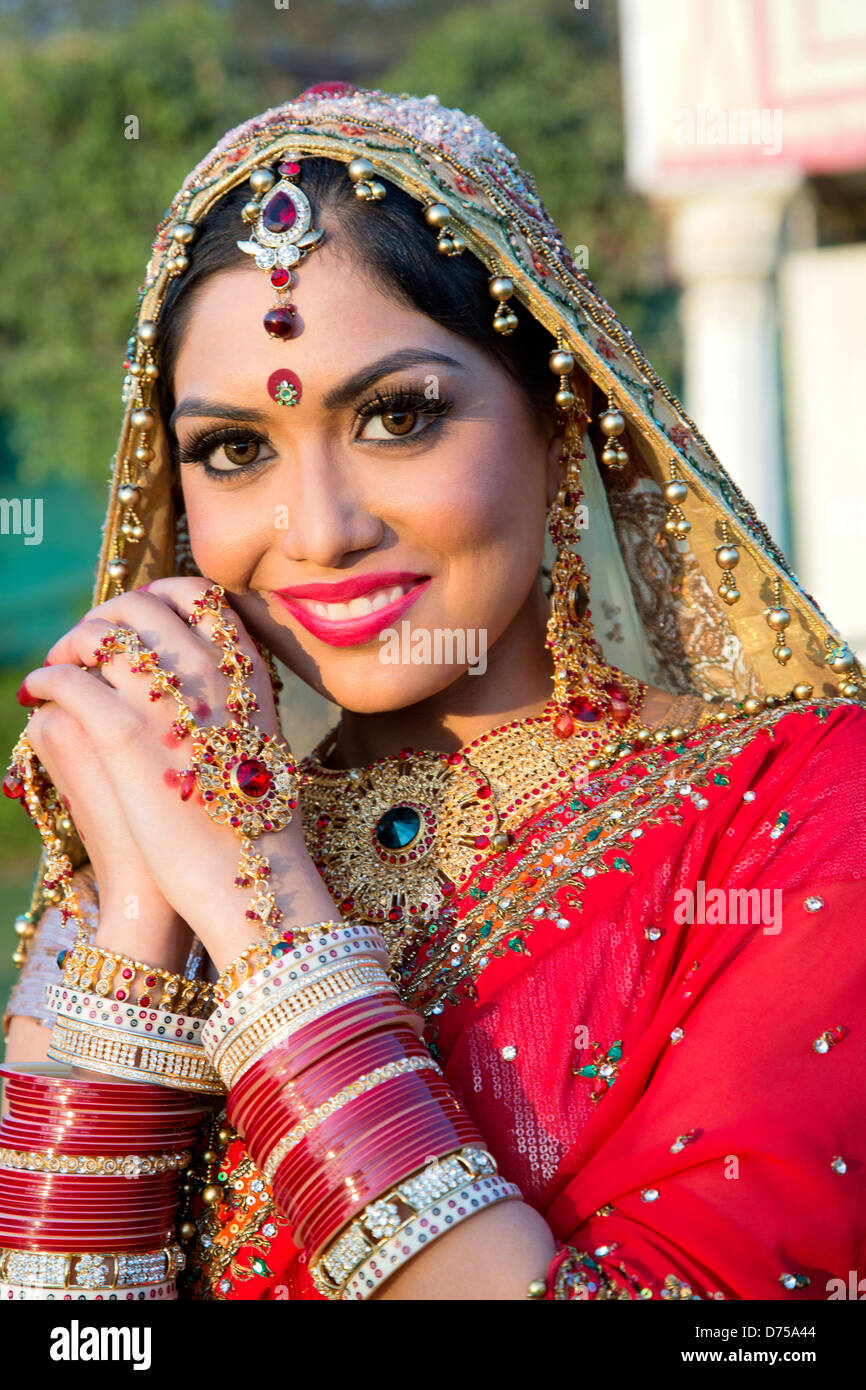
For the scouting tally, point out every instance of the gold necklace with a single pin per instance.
(393, 841)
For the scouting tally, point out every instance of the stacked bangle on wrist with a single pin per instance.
(344, 1111)
(260, 952)
(129, 1041)
(90, 1185)
(92, 968)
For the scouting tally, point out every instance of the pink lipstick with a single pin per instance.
(352, 611)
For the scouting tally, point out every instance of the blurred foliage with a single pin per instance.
(546, 78)
(81, 201)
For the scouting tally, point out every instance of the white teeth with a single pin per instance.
(357, 607)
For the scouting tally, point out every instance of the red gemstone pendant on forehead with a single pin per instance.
(284, 387)
(282, 236)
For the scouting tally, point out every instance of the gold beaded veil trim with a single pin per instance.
(720, 609)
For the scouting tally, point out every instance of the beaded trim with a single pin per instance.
(364, 1083)
(43, 1270)
(131, 1018)
(431, 1223)
(93, 1165)
(591, 833)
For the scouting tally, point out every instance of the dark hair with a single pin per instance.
(398, 252)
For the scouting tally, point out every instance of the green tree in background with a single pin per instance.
(81, 200)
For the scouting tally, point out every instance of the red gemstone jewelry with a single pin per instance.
(282, 236)
(246, 777)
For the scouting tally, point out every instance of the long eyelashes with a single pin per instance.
(205, 441)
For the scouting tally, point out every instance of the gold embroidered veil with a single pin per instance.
(661, 586)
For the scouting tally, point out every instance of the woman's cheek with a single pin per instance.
(223, 547)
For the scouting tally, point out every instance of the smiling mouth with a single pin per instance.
(360, 607)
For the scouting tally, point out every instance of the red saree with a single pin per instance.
(638, 1050)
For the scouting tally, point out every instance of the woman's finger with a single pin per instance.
(158, 626)
(180, 592)
(101, 711)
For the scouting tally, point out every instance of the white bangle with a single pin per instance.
(25, 1293)
(296, 968)
(435, 1221)
(265, 1021)
(84, 1007)
(402, 1203)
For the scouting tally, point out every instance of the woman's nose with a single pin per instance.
(324, 519)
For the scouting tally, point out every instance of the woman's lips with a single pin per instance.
(352, 621)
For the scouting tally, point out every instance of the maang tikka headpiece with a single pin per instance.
(283, 235)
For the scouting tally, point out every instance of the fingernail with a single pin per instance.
(24, 697)
(142, 587)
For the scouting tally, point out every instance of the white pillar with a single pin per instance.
(724, 245)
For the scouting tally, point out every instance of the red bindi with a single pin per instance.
(284, 387)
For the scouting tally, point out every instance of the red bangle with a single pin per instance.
(309, 1090)
(78, 1093)
(321, 1037)
(355, 1162)
(322, 1227)
(287, 1109)
(362, 1120)
(354, 1179)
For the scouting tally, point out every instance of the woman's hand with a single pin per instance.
(192, 860)
(134, 915)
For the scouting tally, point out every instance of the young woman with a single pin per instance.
(611, 878)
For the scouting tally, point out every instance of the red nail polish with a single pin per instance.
(24, 697)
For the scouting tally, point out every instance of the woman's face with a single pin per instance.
(408, 485)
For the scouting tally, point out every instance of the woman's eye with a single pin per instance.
(238, 453)
(395, 421)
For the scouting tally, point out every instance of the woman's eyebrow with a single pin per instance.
(367, 376)
(338, 395)
(196, 405)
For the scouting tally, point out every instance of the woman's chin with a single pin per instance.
(383, 688)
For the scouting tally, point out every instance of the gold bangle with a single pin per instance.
(260, 952)
(93, 968)
(273, 1016)
(286, 1030)
(94, 1165)
(113, 1052)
